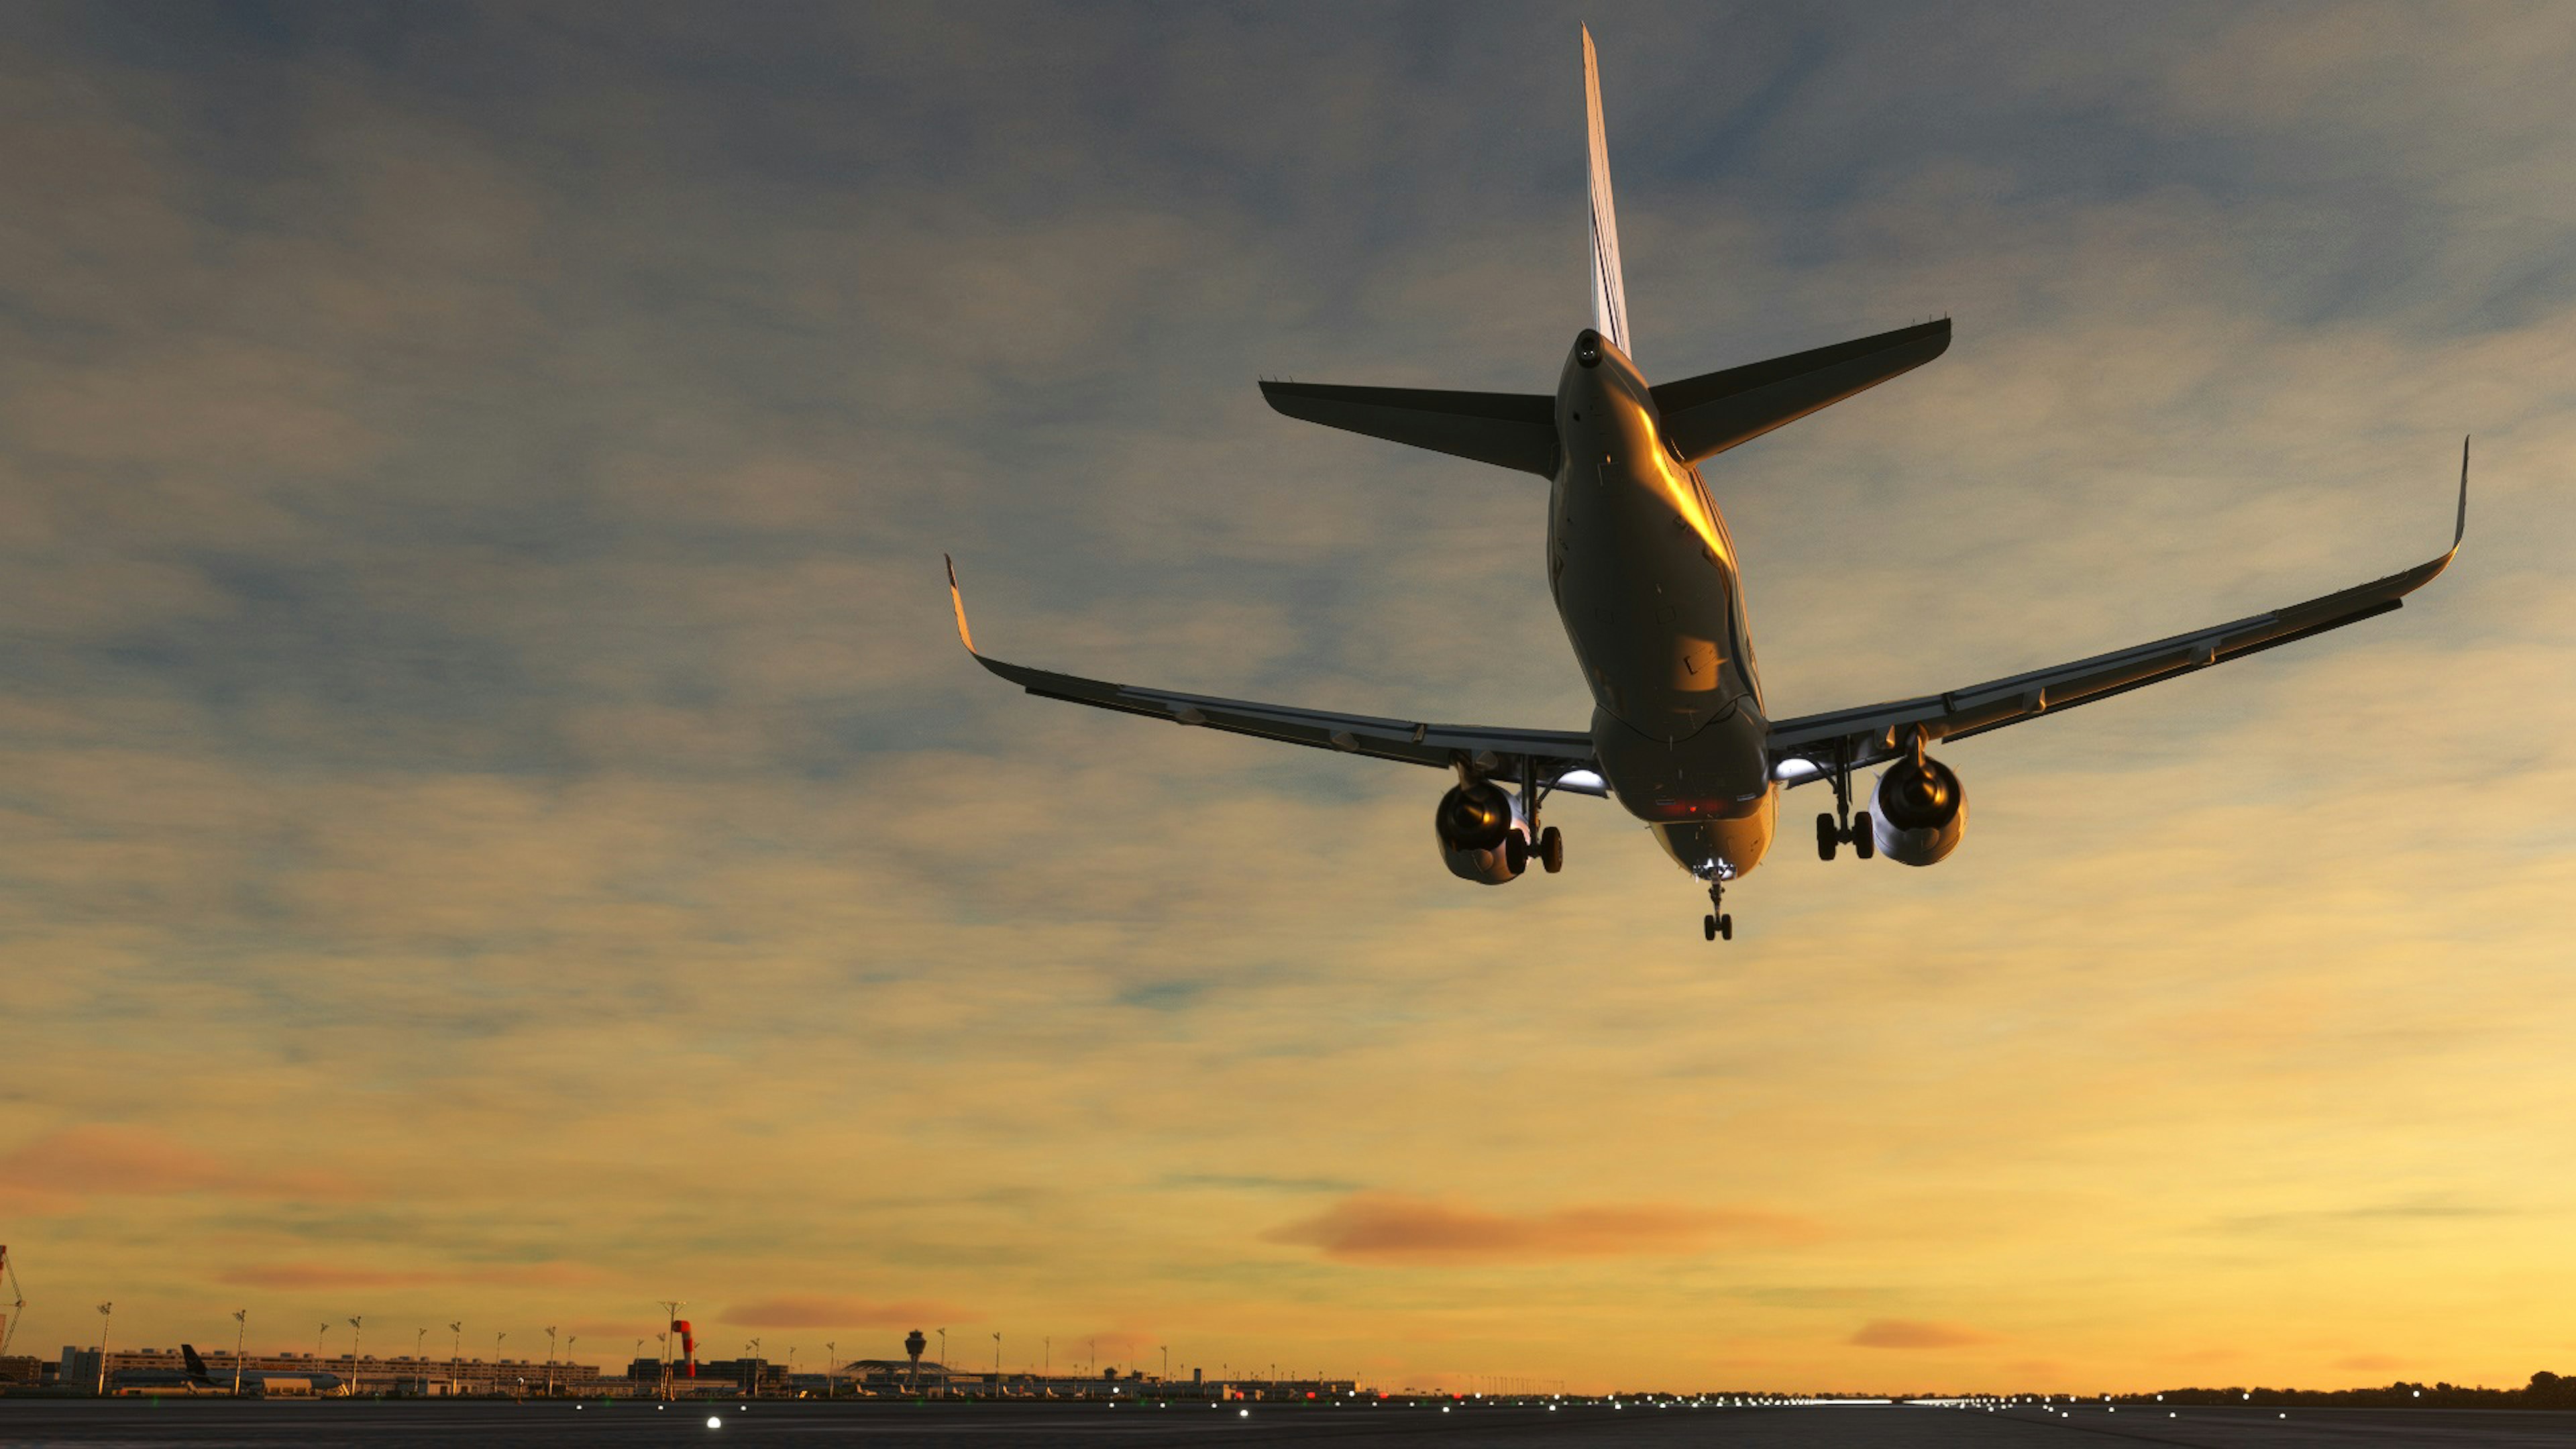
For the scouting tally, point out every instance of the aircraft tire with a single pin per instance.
(1551, 850)
(1726, 927)
(1864, 843)
(1708, 927)
(1826, 837)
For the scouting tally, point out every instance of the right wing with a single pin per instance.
(1813, 746)
(1556, 759)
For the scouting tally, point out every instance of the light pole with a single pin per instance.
(831, 1367)
(755, 1368)
(357, 1356)
(1167, 1369)
(455, 1352)
(419, 1337)
(106, 1316)
(550, 1360)
(496, 1359)
(569, 1340)
(943, 1363)
(241, 1326)
(997, 1365)
(1046, 1360)
(319, 1333)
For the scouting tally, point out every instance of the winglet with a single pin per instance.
(957, 601)
(2460, 530)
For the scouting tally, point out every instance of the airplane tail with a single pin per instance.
(196, 1365)
(1700, 416)
(1609, 285)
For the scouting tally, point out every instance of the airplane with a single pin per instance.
(1646, 580)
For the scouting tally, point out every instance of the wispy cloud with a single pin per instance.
(1914, 1333)
(824, 1311)
(1385, 1228)
(57, 1172)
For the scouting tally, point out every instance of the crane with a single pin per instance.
(17, 1300)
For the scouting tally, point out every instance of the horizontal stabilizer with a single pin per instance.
(1715, 411)
(1506, 429)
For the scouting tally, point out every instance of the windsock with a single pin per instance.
(688, 1345)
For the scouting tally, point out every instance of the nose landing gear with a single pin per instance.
(1717, 922)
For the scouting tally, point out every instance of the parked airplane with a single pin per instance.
(1645, 578)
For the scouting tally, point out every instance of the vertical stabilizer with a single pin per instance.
(1609, 289)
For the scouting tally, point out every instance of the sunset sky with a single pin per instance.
(495, 823)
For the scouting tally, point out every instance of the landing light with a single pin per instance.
(1581, 780)
(714, 1423)
(1796, 768)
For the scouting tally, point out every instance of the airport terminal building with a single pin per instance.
(153, 1370)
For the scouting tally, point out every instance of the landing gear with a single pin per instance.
(1842, 826)
(1717, 922)
(1544, 846)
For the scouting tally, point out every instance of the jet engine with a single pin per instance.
(1921, 811)
(1482, 836)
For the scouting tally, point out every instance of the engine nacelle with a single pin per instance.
(1482, 835)
(1918, 812)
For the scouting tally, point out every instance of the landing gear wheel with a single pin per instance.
(1726, 927)
(1708, 928)
(1827, 837)
(1551, 850)
(1864, 841)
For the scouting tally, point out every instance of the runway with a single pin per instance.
(212, 1422)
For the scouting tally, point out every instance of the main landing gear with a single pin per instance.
(1842, 827)
(1546, 847)
(1717, 922)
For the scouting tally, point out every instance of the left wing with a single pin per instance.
(1813, 746)
(1555, 759)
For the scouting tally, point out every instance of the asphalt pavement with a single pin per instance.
(210, 1422)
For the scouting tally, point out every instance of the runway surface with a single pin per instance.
(28, 1422)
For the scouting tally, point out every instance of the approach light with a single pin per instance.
(714, 1422)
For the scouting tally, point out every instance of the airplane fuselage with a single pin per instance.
(1644, 577)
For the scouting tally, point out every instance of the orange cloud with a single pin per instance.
(54, 1173)
(1908, 1333)
(2370, 1361)
(820, 1311)
(1385, 1228)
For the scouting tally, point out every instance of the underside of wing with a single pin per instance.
(1557, 759)
(1813, 746)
